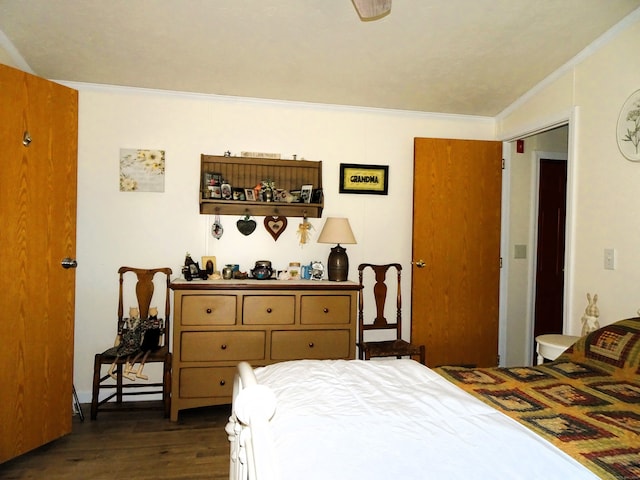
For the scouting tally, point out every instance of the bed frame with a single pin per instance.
(263, 445)
(251, 443)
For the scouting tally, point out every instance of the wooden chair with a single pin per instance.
(383, 348)
(157, 353)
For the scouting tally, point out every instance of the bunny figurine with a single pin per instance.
(590, 317)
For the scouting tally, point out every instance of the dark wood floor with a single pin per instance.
(133, 445)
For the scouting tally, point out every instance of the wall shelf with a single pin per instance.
(247, 172)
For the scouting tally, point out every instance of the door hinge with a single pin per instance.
(503, 164)
(498, 360)
(500, 262)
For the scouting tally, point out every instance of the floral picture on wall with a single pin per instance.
(141, 170)
(628, 129)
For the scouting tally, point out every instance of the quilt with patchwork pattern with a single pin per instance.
(586, 402)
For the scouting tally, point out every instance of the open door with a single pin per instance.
(456, 250)
(38, 181)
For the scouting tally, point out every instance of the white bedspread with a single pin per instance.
(397, 420)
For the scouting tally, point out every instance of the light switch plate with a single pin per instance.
(609, 259)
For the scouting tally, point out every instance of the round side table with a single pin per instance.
(550, 346)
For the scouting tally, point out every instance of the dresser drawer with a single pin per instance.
(268, 309)
(325, 309)
(208, 310)
(315, 344)
(206, 382)
(222, 346)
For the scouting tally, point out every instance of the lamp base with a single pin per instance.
(338, 264)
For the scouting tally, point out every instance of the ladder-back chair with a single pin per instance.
(396, 347)
(137, 343)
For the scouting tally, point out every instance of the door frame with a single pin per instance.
(567, 118)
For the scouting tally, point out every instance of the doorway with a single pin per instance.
(519, 253)
(550, 246)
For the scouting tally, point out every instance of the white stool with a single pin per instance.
(552, 345)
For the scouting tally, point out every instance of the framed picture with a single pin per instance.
(305, 193)
(628, 128)
(373, 179)
(238, 193)
(250, 194)
(141, 170)
(209, 264)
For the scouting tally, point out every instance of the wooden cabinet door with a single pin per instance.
(37, 230)
(456, 233)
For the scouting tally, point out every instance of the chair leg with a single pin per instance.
(97, 364)
(119, 369)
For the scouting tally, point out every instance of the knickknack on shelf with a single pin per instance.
(260, 186)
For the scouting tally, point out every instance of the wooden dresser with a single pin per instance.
(218, 323)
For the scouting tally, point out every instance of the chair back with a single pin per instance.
(144, 295)
(380, 290)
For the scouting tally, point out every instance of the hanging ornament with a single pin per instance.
(304, 230)
(246, 226)
(275, 226)
(216, 228)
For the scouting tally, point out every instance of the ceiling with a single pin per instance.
(471, 57)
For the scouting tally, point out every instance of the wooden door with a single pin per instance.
(552, 209)
(37, 230)
(456, 234)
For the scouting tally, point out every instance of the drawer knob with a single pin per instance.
(208, 310)
(222, 383)
(269, 310)
(311, 345)
(325, 310)
(223, 346)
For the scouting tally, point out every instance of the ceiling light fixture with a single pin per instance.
(369, 10)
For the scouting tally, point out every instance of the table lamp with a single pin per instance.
(337, 230)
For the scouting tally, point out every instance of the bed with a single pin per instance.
(396, 419)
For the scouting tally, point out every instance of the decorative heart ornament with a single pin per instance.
(246, 226)
(275, 226)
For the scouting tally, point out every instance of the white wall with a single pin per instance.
(605, 202)
(157, 229)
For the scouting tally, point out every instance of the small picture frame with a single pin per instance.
(250, 194)
(371, 179)
(238, 194)
(226, 191)
(209, 264)
(305, 193)
(317, 196)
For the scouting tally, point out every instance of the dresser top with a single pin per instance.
(252, 284)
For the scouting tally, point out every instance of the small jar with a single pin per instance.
(227, 272)
(294, 270)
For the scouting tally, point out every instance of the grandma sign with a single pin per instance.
(356, 178)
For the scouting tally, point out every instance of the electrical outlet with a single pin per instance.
(609, 259)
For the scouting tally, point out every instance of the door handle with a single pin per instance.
(420, 263)
(69, 263)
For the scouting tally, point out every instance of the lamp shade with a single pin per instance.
(337, 230)
(372, 9)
